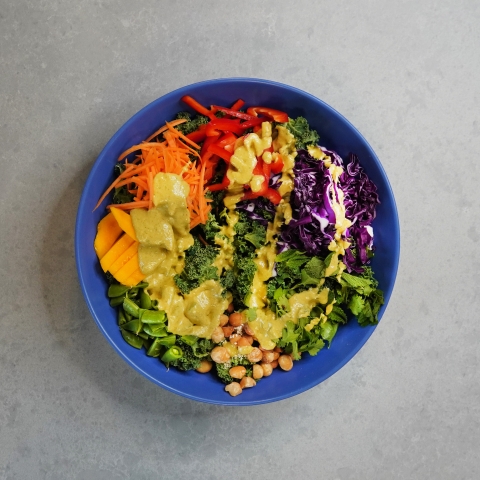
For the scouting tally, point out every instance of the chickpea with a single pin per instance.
(205, 366)
(236, 319)
(247, 382)
(255, 355)
(285, 362)
(233, 389)
(257, 371)
(245, 341)
(218, 336)
(268, 357)
(277, 349)
(275, 355)
(235, 338)
(247, 329)
(230, 308)
(238, 372)
(223, 320)
(220, 355)
(274, 364)
(267, 369)
(227, 331)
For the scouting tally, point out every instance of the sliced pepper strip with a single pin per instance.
(191, 102)
(220, 125)
(270, 113)
(234, 113)
(220, 151)
(198, 135)
(238, 104)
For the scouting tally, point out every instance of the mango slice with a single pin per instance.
(124, 274)
(120, 246)
(124, 221)
(108, 232)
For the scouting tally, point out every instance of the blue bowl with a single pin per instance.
(337, 134)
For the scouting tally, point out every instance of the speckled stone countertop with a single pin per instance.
(406, 74)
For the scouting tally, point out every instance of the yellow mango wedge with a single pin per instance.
(125, 273)
(123, 258)
(120, 246)
(116, 246)
(108, 232)
(124, 221)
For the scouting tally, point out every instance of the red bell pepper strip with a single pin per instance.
(191, 102)
(255, 122)
(208, 141)
(220, 186)
(277, 165)
(266, 171)
(234, 113)
(238, 104)
(226, 140)
(220, 151)
(220, 125)
(273, 196)
(198, 135)
(270, 113)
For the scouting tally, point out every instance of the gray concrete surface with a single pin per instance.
(406, 73)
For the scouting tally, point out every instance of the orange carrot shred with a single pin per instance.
(172, 155)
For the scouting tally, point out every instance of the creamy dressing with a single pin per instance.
(163, 233)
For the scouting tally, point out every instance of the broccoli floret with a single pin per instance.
(249, 235)
(227, 280)
(191, 124)
(300, 129)
(245, 269)
(211, 228)
(194, 349)
(223, 368)
(188, 361)
(198, 267)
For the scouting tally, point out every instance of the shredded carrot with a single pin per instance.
(172, 155)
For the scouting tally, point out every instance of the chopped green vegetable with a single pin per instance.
(198, 267)
(304, 135)
(192, 123)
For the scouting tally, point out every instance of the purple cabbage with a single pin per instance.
(312, 227)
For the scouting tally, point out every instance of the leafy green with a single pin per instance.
(248, 237)
(304, 135)
(121, 194)
(296, 339)
(296, 272)
(211, 228)
(192, 123)
(198, 267)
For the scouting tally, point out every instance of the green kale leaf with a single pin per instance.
(304, 135)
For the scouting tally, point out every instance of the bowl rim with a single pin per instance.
(81, 211)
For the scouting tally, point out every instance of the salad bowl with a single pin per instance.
(336, 133)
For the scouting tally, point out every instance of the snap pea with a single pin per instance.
(143, 335)
(155, 329)
(145, 300)
(131, 307)
(155, 348)
(153, 316)
(121, 317)
(134, 326)
(116, 301)
(117, 290)
(132, 339)
(172, 354)
(168, 341)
